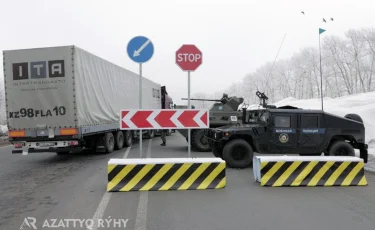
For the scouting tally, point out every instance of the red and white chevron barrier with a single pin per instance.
(164, 119)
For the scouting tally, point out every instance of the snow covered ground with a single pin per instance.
(3, 130)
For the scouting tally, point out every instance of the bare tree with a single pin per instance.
(348, 67)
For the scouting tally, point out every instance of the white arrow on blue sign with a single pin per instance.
(140, 49)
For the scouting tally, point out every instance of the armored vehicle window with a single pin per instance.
(282, 121)
(263, 116)
(309, 121)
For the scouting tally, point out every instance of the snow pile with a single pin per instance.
(3, 130)
(362, 104)
(287, 100)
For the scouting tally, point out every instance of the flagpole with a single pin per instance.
(321, 72)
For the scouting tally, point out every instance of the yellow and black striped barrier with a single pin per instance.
(157, 174)
(281, 171)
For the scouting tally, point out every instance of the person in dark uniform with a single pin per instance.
(163, 137)
(167, 103)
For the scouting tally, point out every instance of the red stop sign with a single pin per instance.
(188, 57)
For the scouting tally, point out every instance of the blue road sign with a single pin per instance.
(140, 49)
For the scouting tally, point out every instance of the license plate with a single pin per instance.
(46, 144)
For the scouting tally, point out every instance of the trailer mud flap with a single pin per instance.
(17, 151)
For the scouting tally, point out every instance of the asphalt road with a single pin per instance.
(46, 186)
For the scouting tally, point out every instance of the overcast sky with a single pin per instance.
(236, 36)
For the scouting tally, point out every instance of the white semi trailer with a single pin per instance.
(60, 99)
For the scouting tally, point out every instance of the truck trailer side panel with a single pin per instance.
(61, 98)
(39, 88)
(102, 89)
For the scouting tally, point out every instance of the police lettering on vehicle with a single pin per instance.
(284, 130)
(313, 131)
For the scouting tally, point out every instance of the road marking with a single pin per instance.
(6, 146)
(149, 149)
(104, 202)
(140, 222)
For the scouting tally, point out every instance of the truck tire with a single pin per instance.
(216, 150)
(150, 134)
(353, 116)
(169, 132)
(199, 142)
(128, 139)
(119, 140)
(63, 153)
(238, 153)
(341, 148)
(109, 142)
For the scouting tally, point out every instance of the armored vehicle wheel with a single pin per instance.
(216, 150)
(119, 140)
(199, 141)
(109, 141)
(238, 153)
(341, 148)
(354, 117)
(127, 138)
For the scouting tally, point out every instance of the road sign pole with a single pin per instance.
(321, 73)
(320, 67)
(189, 106)
(188, 58)
(140, 49)
(140, 107)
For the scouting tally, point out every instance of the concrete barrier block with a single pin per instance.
(277, 171)
(157, 174)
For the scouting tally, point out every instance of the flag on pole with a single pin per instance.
(321, 30)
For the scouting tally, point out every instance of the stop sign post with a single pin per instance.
(188, 58)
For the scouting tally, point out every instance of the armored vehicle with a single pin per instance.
(288, 130)
(224, 112)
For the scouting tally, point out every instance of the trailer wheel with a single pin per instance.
(63, 153)
(199, 141)
(128, 139)
(238, 153)
(119, 140)
(109, 141)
